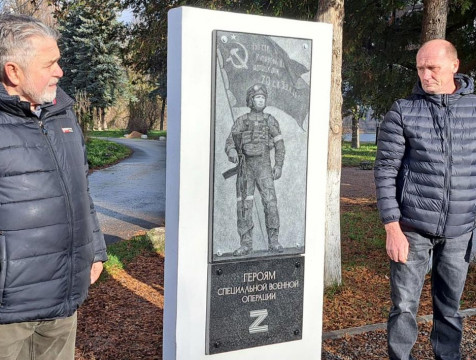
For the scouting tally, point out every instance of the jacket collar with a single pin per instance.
(465, 86)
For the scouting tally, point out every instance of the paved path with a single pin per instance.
(130, 196)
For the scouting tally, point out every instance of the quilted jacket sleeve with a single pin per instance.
(388, 163)
(98, 237)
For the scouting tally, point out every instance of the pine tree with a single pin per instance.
(90, 47)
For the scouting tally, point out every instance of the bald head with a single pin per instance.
(437, 62)
(439, 45)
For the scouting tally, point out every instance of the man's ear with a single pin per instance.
(455, 66)
(12, 73)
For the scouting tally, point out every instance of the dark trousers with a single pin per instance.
(450, 260)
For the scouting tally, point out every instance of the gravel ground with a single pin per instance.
(373, 345)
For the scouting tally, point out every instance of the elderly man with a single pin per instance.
(425, 175)
(51, 248)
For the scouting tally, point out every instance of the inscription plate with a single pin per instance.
(255, 303)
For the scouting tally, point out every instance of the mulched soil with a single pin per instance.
(122, 318)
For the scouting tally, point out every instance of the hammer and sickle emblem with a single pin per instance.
(235, 54)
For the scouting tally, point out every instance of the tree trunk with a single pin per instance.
(91, 117)
(103, 119)
(162, 113)
(377, 129)
(82, 121)
(98, 119)
(435, 13)
(332, 11)
(355, 132)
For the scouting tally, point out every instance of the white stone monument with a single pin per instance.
(248, 110)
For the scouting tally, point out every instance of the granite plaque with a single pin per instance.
(254, 303)
(259, 133)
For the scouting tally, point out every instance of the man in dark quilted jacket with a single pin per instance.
(51, 247)
(425, 175)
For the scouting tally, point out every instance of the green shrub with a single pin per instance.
(103, 153)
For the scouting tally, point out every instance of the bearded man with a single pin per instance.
(51, 247)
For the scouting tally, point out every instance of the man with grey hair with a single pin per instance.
(51, 247)
(425, 174)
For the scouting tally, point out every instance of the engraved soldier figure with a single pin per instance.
(252, 137)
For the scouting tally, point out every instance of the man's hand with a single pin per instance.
(233, 156)
(397, 243)
(96, 270)
(277, 171)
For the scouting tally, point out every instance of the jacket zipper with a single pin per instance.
(67, 199)
(447, 152)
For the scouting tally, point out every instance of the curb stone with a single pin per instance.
(337, 334)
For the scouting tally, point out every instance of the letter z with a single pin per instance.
(256, 326)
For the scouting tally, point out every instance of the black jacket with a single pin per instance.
(425, 170)
(49, 233)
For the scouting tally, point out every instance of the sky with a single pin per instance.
(126, 16)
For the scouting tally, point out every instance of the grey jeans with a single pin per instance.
(450, 260)
(39, 340)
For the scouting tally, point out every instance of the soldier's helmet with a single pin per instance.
(256, 89)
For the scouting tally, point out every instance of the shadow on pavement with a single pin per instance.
(128, 218)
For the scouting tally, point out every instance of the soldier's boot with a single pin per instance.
(273, 243)
(246, 245)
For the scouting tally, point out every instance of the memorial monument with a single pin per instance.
(248, 107)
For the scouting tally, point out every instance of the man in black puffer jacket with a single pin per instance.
(51, 248)
(425, 174)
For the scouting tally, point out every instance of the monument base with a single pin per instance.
(254, 303)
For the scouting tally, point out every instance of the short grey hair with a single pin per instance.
(15, 34)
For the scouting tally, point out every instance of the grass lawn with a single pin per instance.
(353, 157)
(122, 253)
(103, 153)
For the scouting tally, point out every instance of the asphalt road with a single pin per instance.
(130, 196)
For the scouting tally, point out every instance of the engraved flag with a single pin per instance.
(248, 59)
